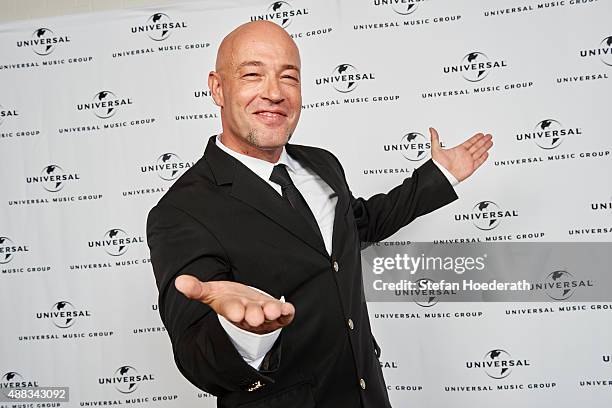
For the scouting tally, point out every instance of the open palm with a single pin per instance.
(462, 160)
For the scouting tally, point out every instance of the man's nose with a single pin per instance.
(272, 90)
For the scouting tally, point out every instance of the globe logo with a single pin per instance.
(42, 34)
(497, 370)
(552, 141)
(104, 112)
(405, 7)
(415, 146)
(606, 58)
(168, 166)
(52, 170)
(558, 285)
(162, 33)
(117, 245)
(128, 385)
(282, 9)
(65, 321)
(479, 73)
(6, 255)
(425, 299)
(7, 381)
(482, 208)
(347, 82)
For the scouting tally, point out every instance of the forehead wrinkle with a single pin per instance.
(255, 63)
(250, 64)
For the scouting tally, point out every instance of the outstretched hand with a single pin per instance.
(242, 305)
(464, 159)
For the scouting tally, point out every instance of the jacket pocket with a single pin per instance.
(296, 396)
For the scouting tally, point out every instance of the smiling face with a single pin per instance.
(257, 85)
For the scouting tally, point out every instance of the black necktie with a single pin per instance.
(281, 177)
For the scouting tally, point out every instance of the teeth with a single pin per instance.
(268, 114)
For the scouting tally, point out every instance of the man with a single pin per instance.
(257, 219)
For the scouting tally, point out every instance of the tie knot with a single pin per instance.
(280, 176)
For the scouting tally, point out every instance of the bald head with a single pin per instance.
(257, 85)
(233, 45)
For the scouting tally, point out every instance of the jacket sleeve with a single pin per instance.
(203, 352)
(382, 215)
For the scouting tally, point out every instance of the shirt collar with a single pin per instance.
(260, 167)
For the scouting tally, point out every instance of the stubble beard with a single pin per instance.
(253, 140)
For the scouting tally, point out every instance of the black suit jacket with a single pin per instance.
(220, 221)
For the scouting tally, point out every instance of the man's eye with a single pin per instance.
(251, 74)
(290, 77)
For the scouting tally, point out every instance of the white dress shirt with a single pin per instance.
(322, 202)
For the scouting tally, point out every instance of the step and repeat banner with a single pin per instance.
(101, 113)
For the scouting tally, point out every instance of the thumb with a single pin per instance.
(190, 286)
(435, 140)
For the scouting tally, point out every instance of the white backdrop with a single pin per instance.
(74, 175)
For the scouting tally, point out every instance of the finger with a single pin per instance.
(435, 138)
(468, 143)
(254, 315)
(287, 309)
(479, 143)
(190, 286)
(482, 150)
(272, 310)
(233, 310)
(287, 314)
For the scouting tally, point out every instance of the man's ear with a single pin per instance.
(214, 84)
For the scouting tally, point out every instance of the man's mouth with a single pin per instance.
(271, 117)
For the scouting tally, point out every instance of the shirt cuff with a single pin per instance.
(252, 347)
(451, 179)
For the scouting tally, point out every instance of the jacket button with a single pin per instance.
(336, 266)
(362, 383)
(350, 324)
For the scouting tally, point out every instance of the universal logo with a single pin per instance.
(281, 12)
(560, 285)
(52, 178)
(43, 41)
(159, 27)
(104, 104)
(7, 114)
(413, 146)
(425, 298)
(497, 364)
(604, 51)
(475, 66)
(168, 166)
(549, 134)
(63, 314)
(12, 380)
(116, 242)
(126, 379)
(486, 215)
(403, 7)
(8, 249)
(345, 78)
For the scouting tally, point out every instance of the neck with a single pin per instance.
(271, 155)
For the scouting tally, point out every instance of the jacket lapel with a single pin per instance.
(332, 175)
(249, 188)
